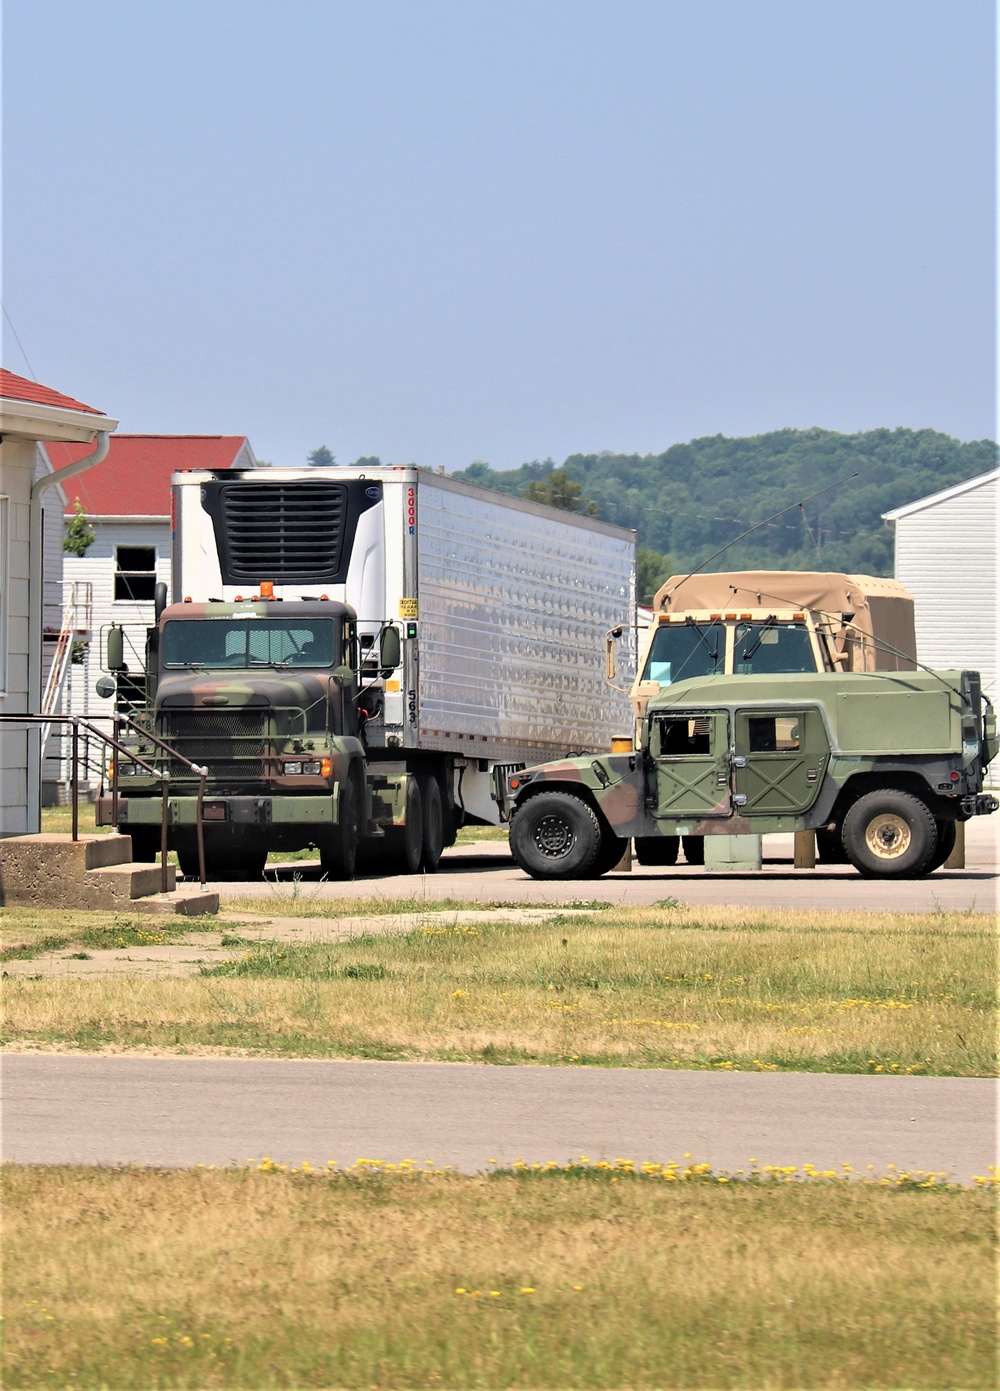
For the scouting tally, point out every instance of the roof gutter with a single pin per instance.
(102, 443)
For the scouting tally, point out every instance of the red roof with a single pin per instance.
(15, 388)
(134, 480)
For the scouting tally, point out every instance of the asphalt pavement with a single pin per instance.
(484, 872)
(174, 1112)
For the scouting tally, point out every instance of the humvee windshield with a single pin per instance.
(696, 649)
(258, 642)
(765, 648)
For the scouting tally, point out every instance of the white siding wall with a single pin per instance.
(946, 555)
(16, 462)
(98, 568)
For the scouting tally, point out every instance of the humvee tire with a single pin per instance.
(657, 850)
(947, 835)
(556, 835)
(830, 847)
(890, 834)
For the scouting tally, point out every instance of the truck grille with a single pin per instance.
(229, 743)
(286, 531)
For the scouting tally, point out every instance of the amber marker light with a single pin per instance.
(325, 767)
(267, 589)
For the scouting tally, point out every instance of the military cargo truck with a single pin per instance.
(886, 763)
(761, 622)
(459, 635)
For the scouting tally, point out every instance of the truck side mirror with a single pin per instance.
(610, 656)
(116, 649)
(389, 650)
(159, 599)
(343, 676)
(106, 687)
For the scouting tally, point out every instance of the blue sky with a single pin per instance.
(446, 230)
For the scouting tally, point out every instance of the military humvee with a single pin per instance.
(885, 764)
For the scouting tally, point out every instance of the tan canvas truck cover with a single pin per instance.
(879, 611)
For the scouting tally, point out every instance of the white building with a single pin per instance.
(128, 504)
(30, 412)
(946, 555)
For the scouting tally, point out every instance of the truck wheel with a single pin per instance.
(946, 836)
(222, 862)
(430, 794)
(555, 836)
(404, 845)
(694, 849)
(657, 850)
(338, 852)
(830, 848)
(889, 835)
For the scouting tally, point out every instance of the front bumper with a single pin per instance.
(226, 811)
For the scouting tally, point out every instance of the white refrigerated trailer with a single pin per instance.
(502, 608)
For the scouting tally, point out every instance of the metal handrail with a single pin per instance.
(77, 723)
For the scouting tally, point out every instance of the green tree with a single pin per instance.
(80, 535)
(559, 490)
(321, 457)
(652, 569)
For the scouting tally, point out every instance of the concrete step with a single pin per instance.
(93, 873)
(123, 883)
(189, 904)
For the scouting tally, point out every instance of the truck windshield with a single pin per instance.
(765, 648)
(232, 642)
(694, 649)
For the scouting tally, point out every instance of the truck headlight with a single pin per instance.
(292, 765)
(312, 766)
(309, 767)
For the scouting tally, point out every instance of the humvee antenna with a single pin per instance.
(766, 522)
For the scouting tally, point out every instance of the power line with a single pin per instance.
(18, 339)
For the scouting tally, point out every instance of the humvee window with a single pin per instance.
(227, 643)
(772, 733)
(680, 737)
(680, 651)
(765, 648)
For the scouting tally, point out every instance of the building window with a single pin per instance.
(4, 585)
(135, 573)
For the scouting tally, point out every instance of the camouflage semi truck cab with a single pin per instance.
(263, 695)
(885, 765)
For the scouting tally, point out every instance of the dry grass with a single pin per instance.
(240, 1280)
(668, 987)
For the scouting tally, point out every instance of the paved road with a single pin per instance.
(184, 1111)
(485, 872)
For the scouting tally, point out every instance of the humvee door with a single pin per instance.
(780, 759)
(688, 766)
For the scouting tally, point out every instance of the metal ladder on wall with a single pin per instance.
(77, 613)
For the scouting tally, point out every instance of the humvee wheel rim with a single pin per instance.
(554, 837)
(888, 836)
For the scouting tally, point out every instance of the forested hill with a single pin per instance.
(693, 498)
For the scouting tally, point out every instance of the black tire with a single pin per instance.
(947, 834)
(404, 845)
(433, 807)
(145, 843)
(694, 849)
(338, 851)
(612, 849)
(657, 850)
(830, 848)
(187, 862)
(224, 863)
(890, 835)
(556, 835)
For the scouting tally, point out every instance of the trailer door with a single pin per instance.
(688, 768)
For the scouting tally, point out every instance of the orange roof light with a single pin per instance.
(267, 589)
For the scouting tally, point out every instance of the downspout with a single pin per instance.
(36, 579)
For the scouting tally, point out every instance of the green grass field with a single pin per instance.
(659, 987)
(245, 1279)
